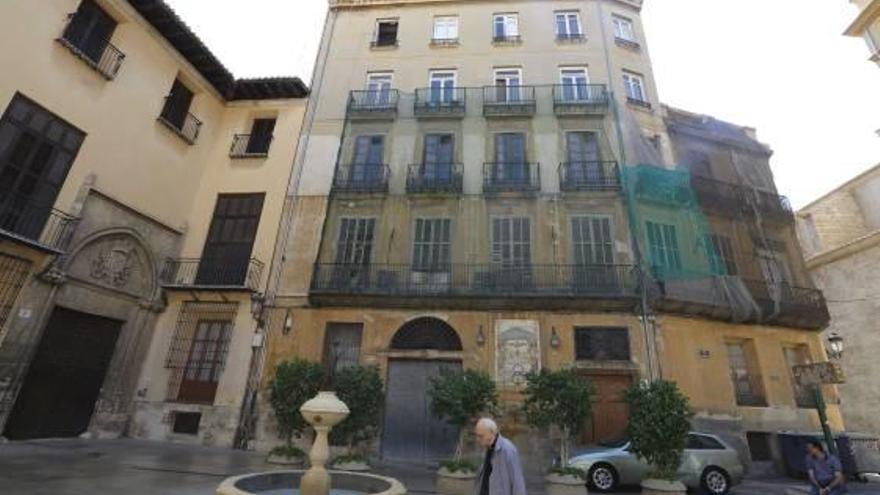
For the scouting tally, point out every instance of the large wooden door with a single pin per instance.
(610, 411)
(65, 378)
(412, 433)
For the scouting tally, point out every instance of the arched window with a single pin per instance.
(426, 333)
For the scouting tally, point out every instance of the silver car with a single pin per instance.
(707, 463)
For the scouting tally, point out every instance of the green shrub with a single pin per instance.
(558, 398)
(294, 383)
(458, 465)
(570, 471)
(361, 389)
(658, 425)
(288, 451)
(461, 396)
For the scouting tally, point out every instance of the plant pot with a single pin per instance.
(455, 483)
(564, 484)
(663, 487)
(281, 460)
(355, 466)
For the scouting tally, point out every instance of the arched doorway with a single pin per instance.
(411, 432)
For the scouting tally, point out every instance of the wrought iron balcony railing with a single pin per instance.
(181, 122)
(589, 176)
(440, 102)
(23, 218)
(100, 55)
(771, 206)
(639, 102)
(506, 39)
(209, 273)
(509, 101)
(361, 178)
(575, 99)
(511, 177)
(570, 37)
(435, 178)
(379, 103)
(601, 281)
(444, 42)
(786, 301)
(718, 196)
(627, 43)
(250, 146)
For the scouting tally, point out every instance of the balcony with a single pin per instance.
(441, 102)
(180, 122)
(571, 37)
(444, 42)
(101, 55)
(580, 99)
(771, 206)
(627, 43)
(440, 178)
(589, 176)
(38, 225)
(718, 197)
(373, 104)
(250, 146)
(782, 303)
(212, 274)
(509, 101)
(511, 177)
(463, 285)
(361, 178)
(506, 39)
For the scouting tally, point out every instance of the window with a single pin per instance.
(601, 344)
(506, 27)
(261, 136)
(623, 28)
(722, 258)
(442, 86)
(89, 30)
(702, 442)
(575, 84)
(759, 446)
(591, 241)
(797, 355)
(747, 384)
(634, 84)
(511, 242)
(207, 356)
(354, 246)
(445, 29)
(568, 25)
(432, 245)
(510, 158)
(13, 273)
(342, 347)
(37, 150)
(227, 252)
(379, 89)
(774, 266)
(663, 246)
(439, 154)
(386, 33)
(508, 85)
(186, 423)
(177, 105)
(367, 166)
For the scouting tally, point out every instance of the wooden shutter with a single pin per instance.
(261, 136)
(227, 250)
(90, 30)
(177, 105)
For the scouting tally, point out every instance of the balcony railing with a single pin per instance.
(444, 42)
(589, 176)
(789, 302)
(361, 178)
(101, 55)
(626, 43)
(493, 280)
(506, 39)
(639, 102)
(718, 196)
(511, 177)
(505, 101)
(250, 146)
(369, 104)
(182, 123)
(771, 206)
(208, 273)
(434, 178)
(440, 102)
(23, 218)
(570, 37)
(577, 99)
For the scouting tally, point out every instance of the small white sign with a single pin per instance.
(25, 313)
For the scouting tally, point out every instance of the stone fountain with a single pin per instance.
(322, 412)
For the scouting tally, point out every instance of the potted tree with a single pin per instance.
(360, 388)
(294, 383)
(559, 399)
(459, 397)
(658, 426)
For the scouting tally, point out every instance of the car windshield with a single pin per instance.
(614, 444)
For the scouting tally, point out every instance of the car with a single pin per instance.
(707, 463)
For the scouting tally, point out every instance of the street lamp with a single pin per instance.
(835, 346)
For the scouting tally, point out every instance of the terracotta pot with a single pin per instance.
(663, 487)
(558, 484)
(455, 483)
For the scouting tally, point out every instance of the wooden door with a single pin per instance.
(610, 412)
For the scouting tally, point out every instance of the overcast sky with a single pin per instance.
(781, 66)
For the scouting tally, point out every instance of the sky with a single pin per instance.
(781, 66)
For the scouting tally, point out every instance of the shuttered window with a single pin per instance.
(432, 244)
(722, 257)
(261, 136)
(355, 243)
(663, 244)
(90, 30)
(591, 241)
(511, 241)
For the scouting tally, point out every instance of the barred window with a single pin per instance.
(602, 344)
(13, 273)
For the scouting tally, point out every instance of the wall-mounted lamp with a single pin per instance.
(835, 346)
(481, 338)
(258, 301)
(288, 323)
(554, 338)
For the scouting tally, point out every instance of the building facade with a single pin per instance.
(495, 185)
(867, 26)
(840, 235)
(141, 191)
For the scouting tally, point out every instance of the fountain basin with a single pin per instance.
(287, 483)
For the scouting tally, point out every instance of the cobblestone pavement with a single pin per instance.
(133, 467)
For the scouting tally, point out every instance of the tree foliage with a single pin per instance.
(360, 387)
(461, 396)
(658, 425)
(295, 382)
(558, 398)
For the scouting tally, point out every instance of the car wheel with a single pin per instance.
(715, 481)
(602, 477)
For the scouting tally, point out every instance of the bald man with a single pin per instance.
(501, 473)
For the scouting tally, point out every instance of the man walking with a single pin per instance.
(501, 473)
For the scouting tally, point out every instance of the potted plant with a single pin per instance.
(562, 400)
(360, 388)
(658, 426)
(294, 383)
(459, 397)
